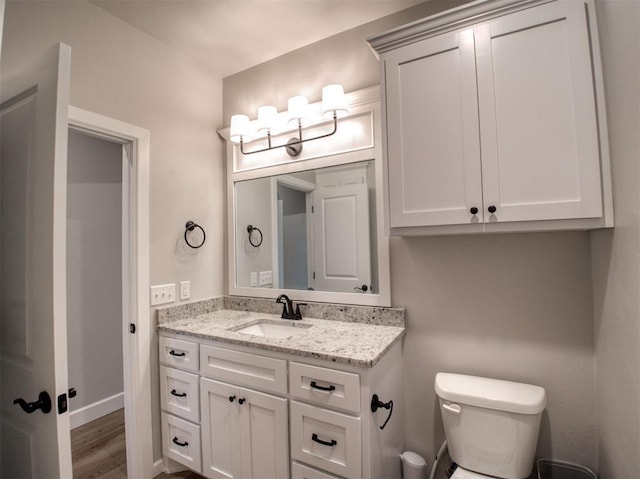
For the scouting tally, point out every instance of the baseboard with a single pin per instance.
(169, 466)
(158, 468)
(96, 410)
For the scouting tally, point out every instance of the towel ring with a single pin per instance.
(190, 226)
(250, 230)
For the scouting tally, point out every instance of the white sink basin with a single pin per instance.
(268, 328)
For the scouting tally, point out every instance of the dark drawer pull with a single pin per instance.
(314, 438)
(314, 385)
(177, 394)
(178, 443)
(181, 354)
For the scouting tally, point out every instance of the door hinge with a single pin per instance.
(314, 275)
(313, 209)
(132, 328)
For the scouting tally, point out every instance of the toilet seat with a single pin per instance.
(462, 473)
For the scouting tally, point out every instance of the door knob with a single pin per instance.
(492, 209)
(43, 402)
(473, 210)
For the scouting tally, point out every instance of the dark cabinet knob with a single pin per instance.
(241, 401)
(232, 398)
(473, 210)
(492, 209)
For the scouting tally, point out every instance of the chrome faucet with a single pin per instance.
(287, 309)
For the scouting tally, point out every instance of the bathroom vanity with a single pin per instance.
(249, 395)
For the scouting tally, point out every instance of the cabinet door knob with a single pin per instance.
(232, 398)
(492, 209)
(241, 401)
(473, 210)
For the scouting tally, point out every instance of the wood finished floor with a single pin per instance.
(98, 451)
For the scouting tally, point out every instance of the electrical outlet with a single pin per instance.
(254, 278)
(162, 294)
(266, 278)
(185, 290)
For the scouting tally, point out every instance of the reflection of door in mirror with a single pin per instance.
(341, 232)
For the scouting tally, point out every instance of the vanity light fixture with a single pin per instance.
(242, 130)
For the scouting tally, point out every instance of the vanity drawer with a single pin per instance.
(326, 439)
(246, 369)
(299, 471)
(179, 353)
(324, 386)
(181, 441)
(179, 393)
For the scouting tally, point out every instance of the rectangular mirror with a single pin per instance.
(313, 230)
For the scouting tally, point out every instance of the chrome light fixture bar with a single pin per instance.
(242, 130)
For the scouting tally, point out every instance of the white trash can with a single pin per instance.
(413, 465)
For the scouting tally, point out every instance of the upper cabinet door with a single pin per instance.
(433, 147)
(540, 152)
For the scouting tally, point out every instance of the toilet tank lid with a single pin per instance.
(491, 393)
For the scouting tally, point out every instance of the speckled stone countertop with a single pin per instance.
(349, 342)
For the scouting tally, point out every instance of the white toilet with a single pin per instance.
(491, 425)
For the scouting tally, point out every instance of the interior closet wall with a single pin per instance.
(94, 276)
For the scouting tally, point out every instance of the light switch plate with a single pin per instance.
(163, 293)
(185, 290)
(254, 278)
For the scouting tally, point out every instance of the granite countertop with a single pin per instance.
(352, 343)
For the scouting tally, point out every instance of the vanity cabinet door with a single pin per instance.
(433, 140)
(540, 151)
(244, 433)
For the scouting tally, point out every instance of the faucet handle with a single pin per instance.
(298, 313)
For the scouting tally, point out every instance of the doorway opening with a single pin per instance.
(108, 265)
(95, 244)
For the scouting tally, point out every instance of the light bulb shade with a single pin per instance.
(240, 129)
(298, 107)
(267, 118)
(333, 100)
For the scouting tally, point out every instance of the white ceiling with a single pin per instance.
(229, 36)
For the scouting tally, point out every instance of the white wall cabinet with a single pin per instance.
(496, 124)
(265, 415)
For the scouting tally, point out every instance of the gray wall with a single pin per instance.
(616, 254)
(518, 306)
(94, 268)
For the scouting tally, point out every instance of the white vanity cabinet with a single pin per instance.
(244, 432)
(494, 120)
(271, 415)
(179, 401)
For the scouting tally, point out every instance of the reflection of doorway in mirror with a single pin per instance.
(292, 206)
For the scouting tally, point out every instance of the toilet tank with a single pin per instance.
(491, 425)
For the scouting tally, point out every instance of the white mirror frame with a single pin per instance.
(361, 101)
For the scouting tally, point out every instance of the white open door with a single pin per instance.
(33, 347)
(341, 243)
